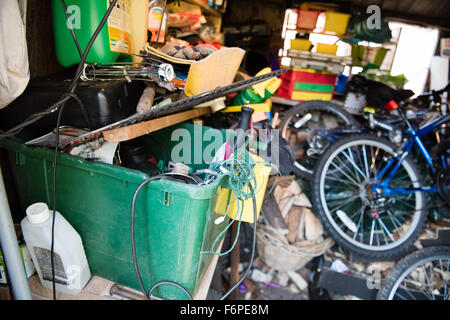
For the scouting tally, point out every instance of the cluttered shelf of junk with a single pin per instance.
(159, 162)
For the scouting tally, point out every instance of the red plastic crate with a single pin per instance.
(309, 77)
(289, 79)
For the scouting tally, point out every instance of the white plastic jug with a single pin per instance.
(70, 263)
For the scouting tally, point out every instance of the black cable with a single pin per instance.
(60, 105)
(55, 107)
(71, 29)
(58, 122)
(172, 284)
(133, 245)
(52, 251)
(83, 109)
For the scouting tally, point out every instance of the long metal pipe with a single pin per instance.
(10, 249)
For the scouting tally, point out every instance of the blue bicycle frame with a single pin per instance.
(395, 163)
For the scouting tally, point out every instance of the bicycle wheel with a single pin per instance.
(369, 224)
(324, 115)
(422, 275)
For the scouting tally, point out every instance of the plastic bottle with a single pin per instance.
(157, 21)
(112, 44)
(71, 267)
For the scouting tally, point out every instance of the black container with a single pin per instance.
(105, 102)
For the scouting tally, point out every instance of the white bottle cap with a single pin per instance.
(38, 212)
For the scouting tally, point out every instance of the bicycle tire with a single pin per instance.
(391, 252)
(315, 105)
(406, 265)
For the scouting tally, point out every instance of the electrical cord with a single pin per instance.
(83, 109)
(172, 284)
(52, 250)
(60, 106)
(133, 245)
(72, 29)
(72, 88)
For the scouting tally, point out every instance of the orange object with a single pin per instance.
(307, 19)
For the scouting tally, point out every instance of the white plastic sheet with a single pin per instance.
(14, 68)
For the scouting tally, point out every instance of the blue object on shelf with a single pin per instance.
(341, 83)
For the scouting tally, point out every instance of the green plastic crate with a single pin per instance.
(174, 221)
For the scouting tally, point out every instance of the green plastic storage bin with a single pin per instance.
(174, 221)
(85, 16)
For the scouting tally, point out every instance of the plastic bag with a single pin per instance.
(14, 67)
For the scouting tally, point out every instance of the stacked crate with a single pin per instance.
(307, 84)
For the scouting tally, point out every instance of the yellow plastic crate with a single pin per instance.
(327, 48)
(336, 22)
(305, 95)
(301, 44)
(311, 71)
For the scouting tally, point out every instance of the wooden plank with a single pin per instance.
(142, 128)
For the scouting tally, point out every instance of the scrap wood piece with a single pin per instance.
(272, 213)
(313, 226)
(287, 197)
(215, 71)
(301, 228)
(298, 280)
(139, 129)
(293, 222)
(302, 200)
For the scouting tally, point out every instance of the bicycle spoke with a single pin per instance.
(371, 232)
(446, 276)
(351, 179)
(349, 169)
(352, 161)
(366, 165)
(394, 220)
(361, 217)
(339, 180)
(383, 226)
(428, 282)
(342, 205)
(402, 297)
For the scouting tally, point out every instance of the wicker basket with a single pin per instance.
(279, 255)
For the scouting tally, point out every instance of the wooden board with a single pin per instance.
(215, 71)
(142, 128)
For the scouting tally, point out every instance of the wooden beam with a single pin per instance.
(142, 128)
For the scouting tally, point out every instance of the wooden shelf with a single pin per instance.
(340, 36)
(205, 8)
